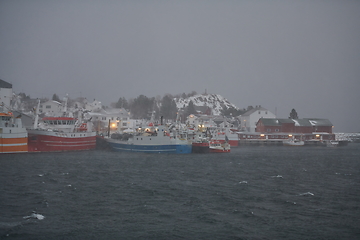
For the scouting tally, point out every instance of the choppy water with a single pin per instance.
(250, 193)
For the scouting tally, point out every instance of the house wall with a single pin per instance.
(248, 123)
(51, 108)
(327, 129)
(5, 96)
(269, 129)
(303, 129)
(291, 128)
(288, 127)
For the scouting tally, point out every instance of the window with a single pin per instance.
(276, 130)
(48, 106)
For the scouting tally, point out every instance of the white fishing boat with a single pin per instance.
(216, 146)
(293, 142)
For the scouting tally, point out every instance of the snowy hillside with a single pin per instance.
(214, 101)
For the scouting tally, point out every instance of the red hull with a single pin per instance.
(219, 151)
(49, 143)
(202, 147)
(233, 143)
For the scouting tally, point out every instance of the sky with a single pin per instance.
(278, 54)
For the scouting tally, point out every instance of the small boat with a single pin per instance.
(151, 139)
(293, 142)
(226, 135)
(200, 145)
(216, 146)
(57, 134)
(332, 143)
(13, 136)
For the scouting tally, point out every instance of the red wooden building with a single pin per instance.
(276, 130)
(306, 125)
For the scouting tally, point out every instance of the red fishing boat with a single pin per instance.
(56, 134)
(200, 146)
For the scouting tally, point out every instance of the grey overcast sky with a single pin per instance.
(277, 54)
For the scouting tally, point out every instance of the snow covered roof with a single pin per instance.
(297, 122)
(248, 113)
(319, 122)
(301, 122)
(274, 121)
(4, 84)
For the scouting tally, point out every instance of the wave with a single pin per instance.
(306, 194)
(35, 215)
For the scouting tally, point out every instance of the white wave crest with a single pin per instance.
(307, 193)
(35, 215)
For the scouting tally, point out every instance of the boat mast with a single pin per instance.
(37, 115)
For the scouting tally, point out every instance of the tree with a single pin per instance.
(190, 109)
(142, 107)
(232, 111)
(193, 93)
(293, 114)
(56, 98)
(122, 103)
(24, 97)
(168, 107)
(249, 108)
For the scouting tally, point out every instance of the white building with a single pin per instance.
(118, 118)
(94, 106)
(51, 108)
(6, 93)
(249, 119)
(205, 121)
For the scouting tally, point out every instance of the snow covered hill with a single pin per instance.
(214, 101)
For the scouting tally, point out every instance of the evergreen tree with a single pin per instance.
(232, 111)
(56, 98)
(293, 114)
(190, 109)
(168, 107)
(122, 103)
(142, 107)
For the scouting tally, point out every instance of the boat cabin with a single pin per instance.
(59, 121)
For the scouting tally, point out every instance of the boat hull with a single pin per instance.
(202, 147)
(215, 150)
(294, 143)
(171, 148)
(47, 141)
(13, 144)
(219, 147)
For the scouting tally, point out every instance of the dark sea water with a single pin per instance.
(251, 193)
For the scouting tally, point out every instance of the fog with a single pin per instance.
(277, 54)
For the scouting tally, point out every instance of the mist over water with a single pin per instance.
(250, 193)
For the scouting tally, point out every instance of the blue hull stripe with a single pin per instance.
(151, 148)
